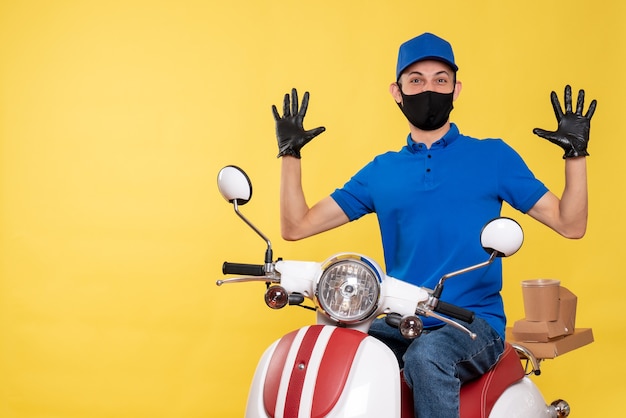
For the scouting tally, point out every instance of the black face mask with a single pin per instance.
(427, 110)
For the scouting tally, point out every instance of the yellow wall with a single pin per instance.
(116, 116)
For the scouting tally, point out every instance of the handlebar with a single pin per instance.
(454, 311)
(243, 269)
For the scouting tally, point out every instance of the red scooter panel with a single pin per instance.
(339, 348)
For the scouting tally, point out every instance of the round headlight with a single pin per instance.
(349, 288)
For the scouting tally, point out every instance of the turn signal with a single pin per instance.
(276, 297)
(411, 327)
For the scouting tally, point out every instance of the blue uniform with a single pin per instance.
(431, 205)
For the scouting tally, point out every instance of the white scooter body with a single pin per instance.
(371, 389)
(521, 400)
(302, 366)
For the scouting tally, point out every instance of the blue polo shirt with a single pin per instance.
(431, 205)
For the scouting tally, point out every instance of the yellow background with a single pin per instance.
(115, 117)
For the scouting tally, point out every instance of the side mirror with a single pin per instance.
(502, 235)
(234, 185)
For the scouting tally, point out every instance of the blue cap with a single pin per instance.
(424, 47)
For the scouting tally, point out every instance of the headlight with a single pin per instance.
(349, 288)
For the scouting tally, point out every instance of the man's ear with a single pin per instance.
(457, 90)
(394, 89)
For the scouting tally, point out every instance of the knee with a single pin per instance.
(418, 363)
(421, 366)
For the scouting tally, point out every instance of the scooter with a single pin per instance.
(334, 368)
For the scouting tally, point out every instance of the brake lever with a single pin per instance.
(244, 279)
(429, 313)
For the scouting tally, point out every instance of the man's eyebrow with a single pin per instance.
(435, 74)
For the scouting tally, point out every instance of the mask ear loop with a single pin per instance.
(401, 92)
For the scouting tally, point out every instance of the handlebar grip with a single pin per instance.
(243, 269)
(454, 311)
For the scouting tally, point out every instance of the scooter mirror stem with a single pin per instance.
(439, 288)
(269, 256)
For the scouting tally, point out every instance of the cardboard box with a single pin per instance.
(556, 347)
(544, 331)
(539, 331)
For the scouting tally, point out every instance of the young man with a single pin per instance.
(432, 198)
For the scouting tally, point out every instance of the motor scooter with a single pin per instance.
(333, 368)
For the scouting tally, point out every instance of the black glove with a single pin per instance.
(289, 130)
(572, 134)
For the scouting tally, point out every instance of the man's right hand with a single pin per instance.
(290, 132)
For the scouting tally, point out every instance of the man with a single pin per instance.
(432, 198)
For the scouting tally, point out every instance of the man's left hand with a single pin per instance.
(572, 133)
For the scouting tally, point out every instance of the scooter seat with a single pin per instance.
(479, 396)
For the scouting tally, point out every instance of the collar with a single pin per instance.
(447, 139)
